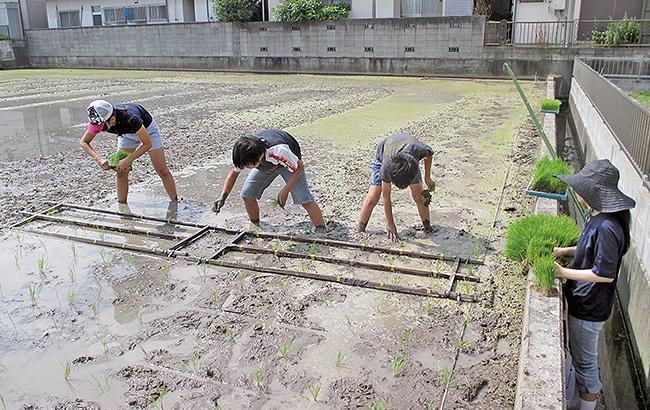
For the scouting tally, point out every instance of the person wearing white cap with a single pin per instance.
(137, 133)
(591, 278)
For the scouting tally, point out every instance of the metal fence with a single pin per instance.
(554, 33)
(628, 120)
(627, 68)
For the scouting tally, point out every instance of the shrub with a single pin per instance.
(237, 10)
(3, 37)
(116, 157)
(625, 31)
(310, 10)
(532, 239)
(544, 179)
(551, 105)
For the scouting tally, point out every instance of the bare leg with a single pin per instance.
(423, 210)
(252, 209)
(315, 214)
(160, 165)
(372, 199)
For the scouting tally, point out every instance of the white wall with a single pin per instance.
(542, 33)
(386, 8)
(362, 9)
(175, 8)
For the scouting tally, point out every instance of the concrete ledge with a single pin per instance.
(540, 380)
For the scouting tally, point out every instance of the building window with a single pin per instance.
(135, 14)
(114, 15)
(531, 1)
(69, 18)
(157, 13)
(97, 15)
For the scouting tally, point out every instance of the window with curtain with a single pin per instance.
(69, 18)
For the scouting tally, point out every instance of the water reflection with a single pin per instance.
(40, 130)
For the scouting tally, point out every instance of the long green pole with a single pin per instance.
(538, 124)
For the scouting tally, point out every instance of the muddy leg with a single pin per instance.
(252, 209)
(423, 210)
(160, 165)
(372, 199)
(315, 214)
(122, 186)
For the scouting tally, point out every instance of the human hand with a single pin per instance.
(559, 252)
(426, 197)
(124, 165)
(431, 184)
(218, 204)
(392, 232)
(105, 165)
(282, 197)
(559, 271)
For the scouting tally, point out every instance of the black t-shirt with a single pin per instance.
(400, 142)
(600, 249)
(130, 117)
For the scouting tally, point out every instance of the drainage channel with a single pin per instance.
(179, 250)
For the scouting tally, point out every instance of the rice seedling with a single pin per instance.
(2, 401)
(396, 279)
(73, 248)
(266, 308)
(56, 325)
(229, 333)
(550, 104)
(439, 265)
(284, 283)
(365, 241)
(303, 266)
(41, 264)
(328, 303)
(102, 253)
(465, 287)
(161, 391)
(445, 376)
(274, 203)
(67, 371)
(145, 353)
(313, 248)
(259, 377)
(32, 290)
(560, 230)
(215, 297)
(140, 320)
(72, 297)
(130, 260)
(471, 271)
(478, 251)
(20, 240)
(544, 272)
(202, 271)
(103, 342)
(115, 158)
(167, 269)
(430, 405)
(348, 323)
(340, 357)
(463, 344)
(96, 280)
(467, 317)
(545, 179)
(72, 274)
(93, 308)
(398, 365)
(284, 350)
(102, 387)
(194, 363)
(18, 258)
(314, 390)
(377, 405)
(13, 324)
(406, 336)
(427, 307)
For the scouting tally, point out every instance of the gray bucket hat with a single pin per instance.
(597, 184)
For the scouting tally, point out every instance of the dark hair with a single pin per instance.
(623, 218)
(402, 169)
(247, 151)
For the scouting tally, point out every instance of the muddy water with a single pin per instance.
(141, 332)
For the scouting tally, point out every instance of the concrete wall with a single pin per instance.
(597, 142)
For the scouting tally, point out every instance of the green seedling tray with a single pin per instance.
(560, 197)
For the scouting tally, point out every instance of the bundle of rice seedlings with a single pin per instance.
(544, 179)
(551, 105)
(531, 239)
(115, 158)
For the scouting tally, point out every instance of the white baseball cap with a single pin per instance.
(99, 111)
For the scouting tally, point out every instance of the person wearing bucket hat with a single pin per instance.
(591, 278)
(137, 133)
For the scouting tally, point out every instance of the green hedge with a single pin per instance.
(310, 10)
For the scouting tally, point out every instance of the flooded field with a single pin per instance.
(85, 326)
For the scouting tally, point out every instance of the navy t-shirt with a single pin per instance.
(600, 249)
(130, 117)
(400, 142)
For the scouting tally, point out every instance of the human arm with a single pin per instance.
(228, 184)
(428, 160)
(284, 192)
(85, 143)
(145, 145)
(585, 275)
(569, 251)
(388, 211)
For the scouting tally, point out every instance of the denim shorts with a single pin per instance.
(375, 174)
(583, 345)
(132, 141)
(257, 181)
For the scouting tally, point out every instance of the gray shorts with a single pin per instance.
(257, 181)
(132, 141)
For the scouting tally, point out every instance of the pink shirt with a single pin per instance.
(94, 129)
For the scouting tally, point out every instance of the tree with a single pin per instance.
(310, 10)
(237, 10)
